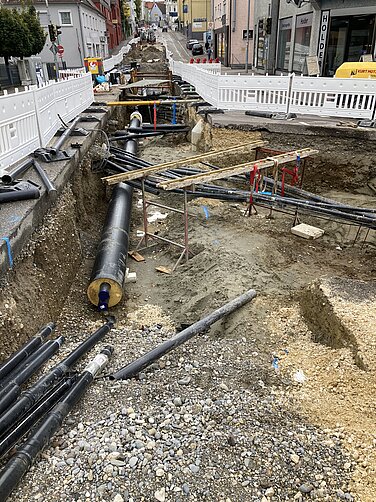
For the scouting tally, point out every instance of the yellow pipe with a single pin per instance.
(158, 102)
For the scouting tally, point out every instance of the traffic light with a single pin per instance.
(57, 30)
(52, 32)
(269, 26)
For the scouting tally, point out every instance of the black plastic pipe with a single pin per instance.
(142, 362)
(21, 462)
(59, 143)
(39, 389)
(23, 426)
(9, 177)
(28, 348)
(16, 195)
(47, 183)
(12, 389)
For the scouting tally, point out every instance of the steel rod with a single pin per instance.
(11, 176)
(47, 183)
(142, 362)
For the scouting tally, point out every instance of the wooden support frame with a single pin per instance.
(141, 173)
(237, 169)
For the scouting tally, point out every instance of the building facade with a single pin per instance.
(334, 31)
(195, 18)
(231, 19)
(110, 9)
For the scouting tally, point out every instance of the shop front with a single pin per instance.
(221, 44)
(350, 38)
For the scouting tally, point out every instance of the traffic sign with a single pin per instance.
(53, 49)
(60, 50)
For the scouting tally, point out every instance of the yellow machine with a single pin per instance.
(356, 70)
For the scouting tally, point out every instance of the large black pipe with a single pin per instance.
(10, 176)
(36, 391)
(35, 413)
(142, 362)
(12, 389)
(107, 279)
(21, 462)
(28, 348)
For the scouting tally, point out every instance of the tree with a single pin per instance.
(138, 9)
(37, 36)
(21, 34)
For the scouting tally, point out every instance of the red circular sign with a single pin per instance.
(60, 50)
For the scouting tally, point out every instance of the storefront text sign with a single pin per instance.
(325, 16)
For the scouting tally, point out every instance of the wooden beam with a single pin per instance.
(140, 173)
(237, 169)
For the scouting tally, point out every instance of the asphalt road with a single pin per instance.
(176, 44)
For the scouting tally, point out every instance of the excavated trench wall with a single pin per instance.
(34, 291)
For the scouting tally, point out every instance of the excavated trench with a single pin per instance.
(232, 253)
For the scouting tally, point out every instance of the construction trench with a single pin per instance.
(272, 402)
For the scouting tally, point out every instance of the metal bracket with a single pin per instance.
(94, 109)
(51, 155)
(367, 123)
(283, 116)
(207, 111)
(89, 118)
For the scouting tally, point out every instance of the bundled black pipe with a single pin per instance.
(21, 462)
(9, 177)
(36, 391)
(107, 279)
(142, 362)
(11, 389)
(35, 413)
(311, 203)
(28, 348)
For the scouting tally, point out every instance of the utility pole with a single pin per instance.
(272, 53)
(247, 47)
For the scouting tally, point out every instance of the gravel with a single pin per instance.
(213, 438)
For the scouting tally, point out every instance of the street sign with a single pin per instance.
(60, 50)
(53, 49)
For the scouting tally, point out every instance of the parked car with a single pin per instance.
(191, 42)
(197, 49)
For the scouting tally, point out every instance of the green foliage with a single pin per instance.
(138, 9)
(21, 34)
(37, 36)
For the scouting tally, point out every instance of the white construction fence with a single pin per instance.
(29, 119)
(334, 97)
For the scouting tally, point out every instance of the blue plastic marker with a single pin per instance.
(9, 250)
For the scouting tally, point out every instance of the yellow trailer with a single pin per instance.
(356, 70)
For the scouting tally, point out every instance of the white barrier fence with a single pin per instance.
(29, 119)
(110, 63)
(334, 97)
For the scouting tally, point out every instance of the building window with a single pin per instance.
(284, 43)
(302, 41)
(65, 18)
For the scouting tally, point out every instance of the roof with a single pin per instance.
(42, 3)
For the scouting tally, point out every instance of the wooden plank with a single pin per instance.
(136, 256)
(238, 169)
(140, 173)
(164, 270)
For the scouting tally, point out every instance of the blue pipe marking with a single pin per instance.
(206, 211)
(9, 250)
